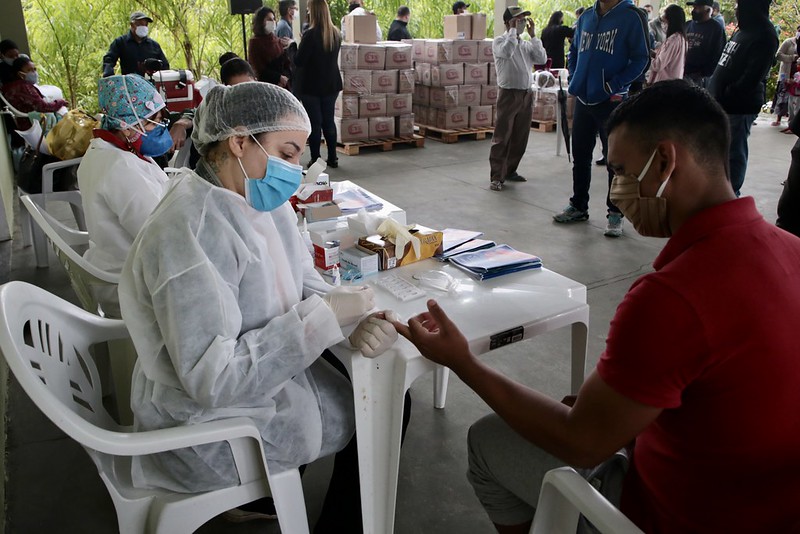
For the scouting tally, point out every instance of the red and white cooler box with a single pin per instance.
(178, 90)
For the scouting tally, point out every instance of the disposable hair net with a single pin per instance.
(248, 108)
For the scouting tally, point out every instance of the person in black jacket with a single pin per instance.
(319, 80)
(133, 48)
(399, 30)
(789, 203)
(553, 39)
(739, 82)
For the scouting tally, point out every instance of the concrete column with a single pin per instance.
(12, 24)
(499, 9)
(297, 23)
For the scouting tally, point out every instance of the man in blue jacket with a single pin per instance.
(609, 51)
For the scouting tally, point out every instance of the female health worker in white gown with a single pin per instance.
(224, 307)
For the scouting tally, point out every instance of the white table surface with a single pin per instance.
(537, 300)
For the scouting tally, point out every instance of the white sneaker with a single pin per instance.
(614, 225)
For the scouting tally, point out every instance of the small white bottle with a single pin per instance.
(307, 238)
(336, 276)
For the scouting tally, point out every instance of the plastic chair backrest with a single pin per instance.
(47, 343)
(86, 279)
(181, 157)
(14, 111)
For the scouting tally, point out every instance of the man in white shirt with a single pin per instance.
(514, 60)
(356, 8)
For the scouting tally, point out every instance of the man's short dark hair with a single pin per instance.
(284, 6)
(227, 56)
(6, 45)
(403, 11)
(679, 111)
(235, 67)
(353, 6)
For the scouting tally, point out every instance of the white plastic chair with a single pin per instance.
(47, 343)
(565, 495)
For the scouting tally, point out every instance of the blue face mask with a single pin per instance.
(281, 179)
(157, 142)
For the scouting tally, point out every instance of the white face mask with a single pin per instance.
(8, 60)
(269, 26)
(141, 31)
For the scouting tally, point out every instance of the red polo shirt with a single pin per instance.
(712, 337)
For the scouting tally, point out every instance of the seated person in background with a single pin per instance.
(399, 28)
(225, 308)
(266, 51)
(133, 48)
(9, 51)
(23, 94)
(119, 181)
(707, 392)
(236, 71)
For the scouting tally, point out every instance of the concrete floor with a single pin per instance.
(53, 487)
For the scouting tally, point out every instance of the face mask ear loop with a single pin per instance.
(663, 186)
(647, 166)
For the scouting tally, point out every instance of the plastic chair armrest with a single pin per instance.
(565, 495)
(49, 169)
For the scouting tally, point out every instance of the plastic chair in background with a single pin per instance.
(565, 495)
(48, 342)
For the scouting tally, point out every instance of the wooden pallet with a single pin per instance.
(352, 149)
(543, 126)
(452, 136)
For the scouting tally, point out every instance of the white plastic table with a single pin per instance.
(513, 307)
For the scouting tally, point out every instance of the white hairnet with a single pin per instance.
(245, 109)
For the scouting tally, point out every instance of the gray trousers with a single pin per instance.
(506, 472)
(511, 130)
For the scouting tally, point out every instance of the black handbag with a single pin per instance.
(29, 173)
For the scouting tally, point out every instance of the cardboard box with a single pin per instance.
(545, 98)
(383, 248)
(371, 106)
(478, 25)
(326, 256)
(431, 242)
(348, 56)
(312, 194)
(476, 73)
(346, 106)
(371, 57)
(319, 211)
(469, 95)
(544, 112)
(363, 261)
(489, 95)
(338, 233)
(405, 81)
(447, 74)
(384, 81)
(357, 82)
(424, 70)
(399, 55)
(430, 245)
(444, 97)
(422, 95)
(438, 51)
(418, 49)
(404, 125)
(492, 74)
(381, 127)
(398, 104)
(450, 119)
(480, 116)
(360, 29)
(466, 51)
(350, 130)
(485, 53)
(457, 27)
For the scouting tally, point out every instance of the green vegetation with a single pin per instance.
(69, 37)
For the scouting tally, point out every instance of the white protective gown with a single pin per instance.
(119, 191)
(222, 303)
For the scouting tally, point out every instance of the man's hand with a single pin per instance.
(178, 134)
(436, 337)
(531, 27)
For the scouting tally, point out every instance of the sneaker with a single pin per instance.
(515, 177)
(571, 214)
(600, 162)
(263, 508)
(614, 225)
(496, 185)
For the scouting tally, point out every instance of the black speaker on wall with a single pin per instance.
(243, 7)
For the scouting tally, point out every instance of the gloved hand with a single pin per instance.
(349, 303)
(375, 334)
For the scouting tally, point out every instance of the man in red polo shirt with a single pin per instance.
(701, 367)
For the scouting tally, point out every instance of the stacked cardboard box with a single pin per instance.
(376, 100)
(456, 82)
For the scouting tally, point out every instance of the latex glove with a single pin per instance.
(375, 334)
(349, 303)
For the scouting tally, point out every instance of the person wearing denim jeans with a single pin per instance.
(739, 81)
(610, 51)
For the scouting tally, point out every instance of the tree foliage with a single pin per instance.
(69, 37)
